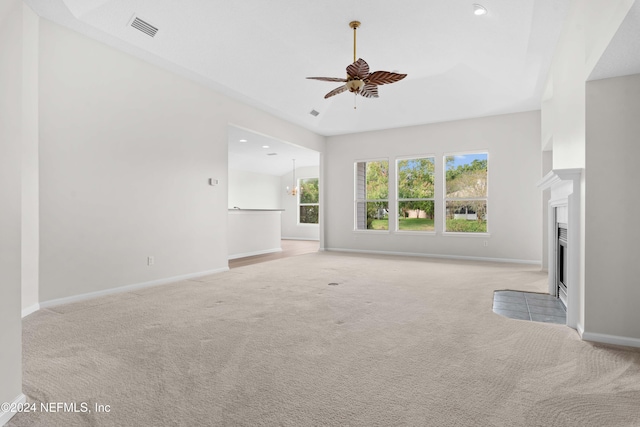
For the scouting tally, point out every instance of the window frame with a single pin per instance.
(357, 200)
(299, 204)
(445, 199)
(432, 199)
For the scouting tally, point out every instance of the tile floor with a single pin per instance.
(529, 306)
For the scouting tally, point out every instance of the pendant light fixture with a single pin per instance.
(293, 190)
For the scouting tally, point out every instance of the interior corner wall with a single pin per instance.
(290, 227)
(30, 164)
(588, 29)
(547, 165)
(515, 221)
(126, 152)
(612, 293)
(11, 36)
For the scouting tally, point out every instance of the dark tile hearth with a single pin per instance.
(529, 306)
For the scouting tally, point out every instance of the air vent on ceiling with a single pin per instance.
(272, 154)
(144, 26)
(314, 113)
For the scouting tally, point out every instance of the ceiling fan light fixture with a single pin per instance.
(479, 9)
(354, 85)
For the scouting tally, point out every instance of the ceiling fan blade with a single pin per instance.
(336, 91)
(360, 68)
(369, 91)
(384, 77)
(328, 79)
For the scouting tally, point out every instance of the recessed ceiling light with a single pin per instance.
(479, 10)
(265, 146)
(243, 140)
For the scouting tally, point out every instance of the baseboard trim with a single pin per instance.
(246, 254)
(128, 288)
(610, 339)
(580, 329)
(32, 309)
(5, 416)
(307, 239)
(422, 255)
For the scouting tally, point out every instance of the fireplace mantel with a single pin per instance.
(565, 200)
(560, 176)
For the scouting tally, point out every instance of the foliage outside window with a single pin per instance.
(415, 194)
(466, 193)
(372, 195)
(309, 206)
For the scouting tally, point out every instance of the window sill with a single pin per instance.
(465, 234)
(371, 231)
(415, 233)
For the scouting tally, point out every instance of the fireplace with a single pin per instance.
(562, 263)
(563, 239)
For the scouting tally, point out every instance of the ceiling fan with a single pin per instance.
(359, 80)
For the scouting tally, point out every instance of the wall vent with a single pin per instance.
(314, 113)
(272, 154)
(144, 26)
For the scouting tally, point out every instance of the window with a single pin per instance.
(415, 194)
(466, 193)
(372, 195)
(308, 202)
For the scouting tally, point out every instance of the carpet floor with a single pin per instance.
(391, 342)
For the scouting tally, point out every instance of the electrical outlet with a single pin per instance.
(151, 260)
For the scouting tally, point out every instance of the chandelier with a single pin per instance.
(293, 190)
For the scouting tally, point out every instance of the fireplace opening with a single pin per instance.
(561, 265)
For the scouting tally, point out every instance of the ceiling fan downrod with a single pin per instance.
(354, 25)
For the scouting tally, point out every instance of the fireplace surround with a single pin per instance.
(564, 254)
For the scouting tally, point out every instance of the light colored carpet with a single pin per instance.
(398, 342)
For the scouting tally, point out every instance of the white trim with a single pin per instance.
(466, 234)
(262, 252)
(27, 311)
(611, 339)
(301, 238)
(459, 257)
(558, 175)
(565, 185)
(6, 416)
(128, 288)
(415, 233)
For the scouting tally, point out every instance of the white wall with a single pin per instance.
(11, 36)
(547, 163)
(290, 227)
(612, 293)
(251, 190)
(515, 222)
(126, 151)
(30, 172)
(586, 34)
(589, 28)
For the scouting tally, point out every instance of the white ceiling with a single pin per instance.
(622, 56)
(247, 153)
(459, 65)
